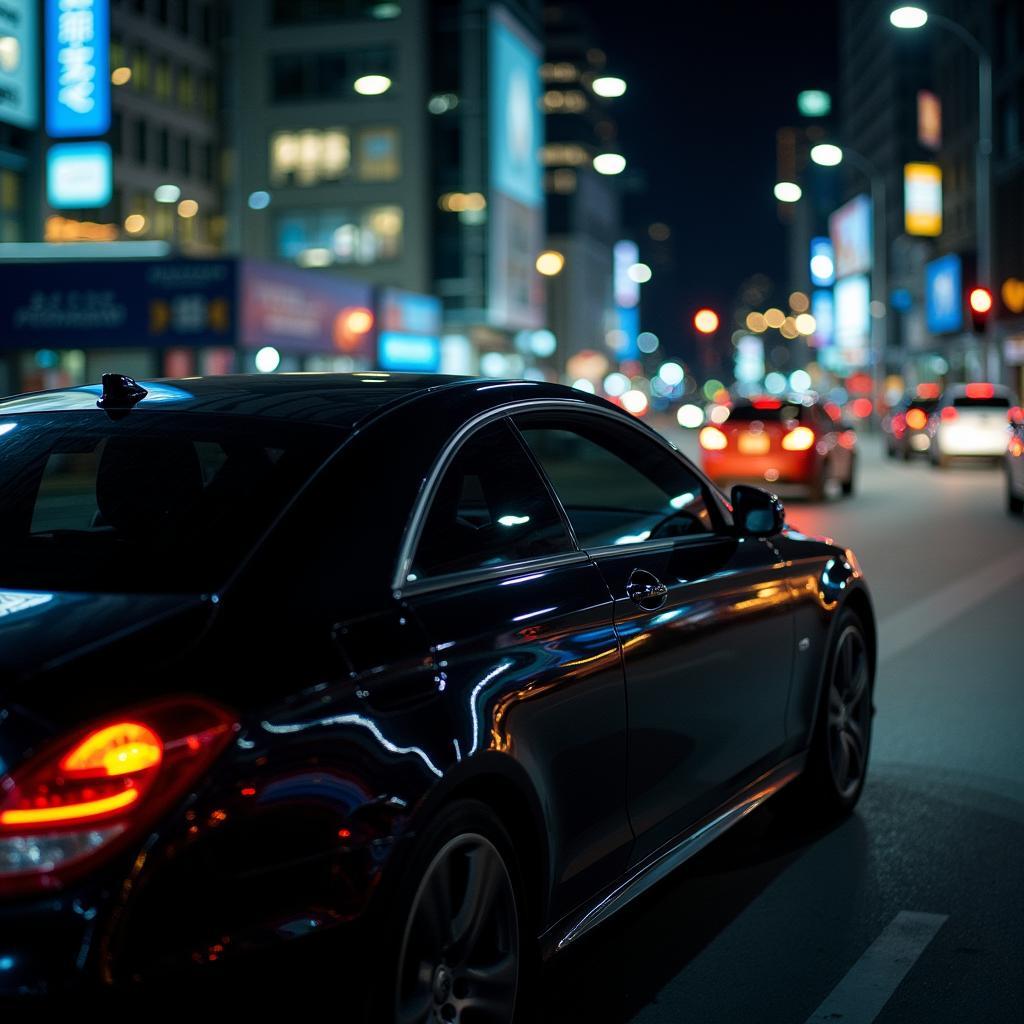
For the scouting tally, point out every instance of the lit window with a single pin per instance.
(325, 237)
(565, 101)
(309, 157)
(378, 154)
(565, 154)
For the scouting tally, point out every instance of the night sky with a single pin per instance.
(708, 86)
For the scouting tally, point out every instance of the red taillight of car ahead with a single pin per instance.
(848, 439)
(712, 439)
(949, 414)
(1016, 414)
(101, 787)
(980, 390)
(899, 425)
(799, 439)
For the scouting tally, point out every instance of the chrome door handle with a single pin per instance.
(646, 590)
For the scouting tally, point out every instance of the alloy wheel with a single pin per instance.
(459, 960)
(849, 713)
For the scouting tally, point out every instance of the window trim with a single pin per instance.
(401, 585)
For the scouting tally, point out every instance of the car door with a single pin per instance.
(702, 616)
(521, 625)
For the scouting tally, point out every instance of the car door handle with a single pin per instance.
(646, 590)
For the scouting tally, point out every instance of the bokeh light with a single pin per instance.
(799, 302)
(756, 322)
(550, 262)
(774, 317)
(671, 373)
(690, 416)
(706, 321)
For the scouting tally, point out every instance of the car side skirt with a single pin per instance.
(664, 861)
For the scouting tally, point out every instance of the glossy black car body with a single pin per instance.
(613, 730)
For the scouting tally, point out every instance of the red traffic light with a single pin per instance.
(980, 301)
(706, 321)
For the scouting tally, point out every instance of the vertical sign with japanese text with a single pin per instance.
(77, 68)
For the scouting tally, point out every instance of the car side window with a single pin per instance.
(617, 486)
(491, 508)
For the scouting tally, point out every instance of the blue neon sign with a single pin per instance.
(944, 297)
(77, 68)
(79, 175)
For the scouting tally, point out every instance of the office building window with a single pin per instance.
(208, 163)
(378, 154)
(186, 156)
(323, 237)
(141, 141)
(309, 157)
(184, 11)
(10, 205)
(310, 76)
(295, 12)
(186, 89)
(162, 80)
(141, 70)
(163, 149)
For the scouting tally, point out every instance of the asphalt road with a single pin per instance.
(912, 909)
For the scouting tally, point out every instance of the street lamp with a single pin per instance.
(913, 17)
(788, 192)
(827, 155)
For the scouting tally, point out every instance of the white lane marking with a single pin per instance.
(928, 615)
(860, 996)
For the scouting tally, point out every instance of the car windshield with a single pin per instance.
(150, 502)
(770, 412)
(994, 402)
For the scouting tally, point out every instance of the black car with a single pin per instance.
(437, 671)
(906, 428)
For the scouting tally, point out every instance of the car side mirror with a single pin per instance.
(757, 513)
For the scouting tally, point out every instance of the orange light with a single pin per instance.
(706, 321)
(799, 439)
(712, 439)
(248, 791)
(928, 390)
(916, 419)
(69, 812)
(358, 321)
(119, 749)
(980, 300)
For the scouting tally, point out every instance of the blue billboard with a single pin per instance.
(822, 262)
(117, 303)
(410, 353)
(516, 123)
(943, 294)
(77, 65)
(79, 175)
(19, 102)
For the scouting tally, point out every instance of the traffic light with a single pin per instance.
(980, 301)
(706, 321)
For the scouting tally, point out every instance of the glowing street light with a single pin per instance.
(609, 163)
(167, 193)
(639, 272)
(706, 321)
(549, 263)
(788, 192)
(826, 155)
(909, 17)
(609, 86)
(372, 85)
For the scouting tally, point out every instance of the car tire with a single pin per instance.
(816, 488)
(457, 934)
(850, 482)
(837, 759)
(1014, 505)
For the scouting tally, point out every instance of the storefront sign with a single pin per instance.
(77, 68)
(922, 199)
(18, 46)
(850, 230)
(79, 175)
(943, 288)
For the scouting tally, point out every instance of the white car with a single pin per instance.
(971, 420)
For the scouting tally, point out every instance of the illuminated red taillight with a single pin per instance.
(899, 424)
(980, 390)
(712, 439)
(100, 787)
(949, 414)
(799, 439)
(1016, 414)
(916, 419)
(848, 438)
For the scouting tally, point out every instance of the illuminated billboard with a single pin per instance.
(823, 262)
(79, 175)
(853, 316)
(943, 294)
(516, 200)
(850, 230)
(77, 65)
(18, 46)
(922, 199)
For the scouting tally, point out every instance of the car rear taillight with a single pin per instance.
(916, 419)
(799, 439)
(980, 391)
(899, 424)
(949, 414)
(1016, 414)
(101, 787)
(712, 439)
(848, 439)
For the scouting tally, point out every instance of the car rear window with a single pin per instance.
(784, 412)
(164, 502)
(924, 404)
(995, 402)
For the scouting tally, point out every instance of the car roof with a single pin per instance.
(332, 399)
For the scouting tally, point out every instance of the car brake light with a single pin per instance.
(949, 414)
(712, 439)
(848, 438)
(766, 403)
(916, 419)
(928, 390)
(980, 390)
(101, 787)
(899, 424)
(799, 439)
(1016, 414)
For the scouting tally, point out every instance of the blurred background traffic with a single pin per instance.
(681, 214)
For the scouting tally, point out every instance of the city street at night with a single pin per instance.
(512, 511)
(765, 925)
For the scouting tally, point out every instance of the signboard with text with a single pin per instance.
(77, 65)
(19, 103)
